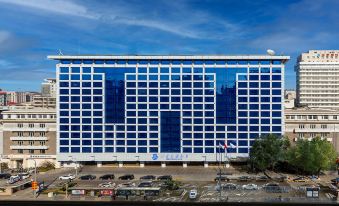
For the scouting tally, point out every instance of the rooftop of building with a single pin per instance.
(174, 57)
(28, 109)
(307, 110)
(319, 56)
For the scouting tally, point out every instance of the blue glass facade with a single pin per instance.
(166, 106)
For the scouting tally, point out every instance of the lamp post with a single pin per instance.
(34, 191)
(0, 163)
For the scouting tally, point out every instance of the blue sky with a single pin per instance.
(32, 29)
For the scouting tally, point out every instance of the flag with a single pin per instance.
(225, 145)
(232, 146)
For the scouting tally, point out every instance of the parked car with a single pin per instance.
(127, 184)
(282, 178)
(24, 176)
(273, 187)
(165, 177)
(107, 177)
(193, 194)
(222, 179)
(107, 184)
(244, 178)
(13, 179)
(250, 187)
(145, 184)
(5, 176)
(228, 186)
(300, 179)
(148, 177)
(314, 177)
(67, 177)
(262, 178)
(224, 173)
(87, 177)
(126, 177)
(335, 180)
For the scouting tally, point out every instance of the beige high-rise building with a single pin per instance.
(28, 132)
(318, 79)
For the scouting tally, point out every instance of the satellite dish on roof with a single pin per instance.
(270, 52)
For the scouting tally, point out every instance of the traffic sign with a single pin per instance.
(34, 185)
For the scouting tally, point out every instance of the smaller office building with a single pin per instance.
(28, 132)
(309, 123)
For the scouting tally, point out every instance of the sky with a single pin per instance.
(32, 29)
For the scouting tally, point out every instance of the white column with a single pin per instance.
(121, 164)
(163, 164)
(184, 165)
(99, 164)
(142, 164)
(206, 164)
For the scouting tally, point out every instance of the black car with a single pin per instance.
(126, 177)
(165, 177)
(87, 177)
(244, 178)
(107, 177)
(145, 184)
(222, 178)
(5, 176)
(148, 177)
(262, 178)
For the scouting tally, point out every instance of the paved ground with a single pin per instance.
(196, 177)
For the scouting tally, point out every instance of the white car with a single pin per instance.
(24, 175)
(193, 194)
(67, 177)
(13, 179)
(107, 184)
(250, 187)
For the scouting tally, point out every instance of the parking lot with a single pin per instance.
(192, 177)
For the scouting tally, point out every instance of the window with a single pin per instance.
(42, 125)
(20, 134)
(42, 151)
(31, 134)
(42, 143)
(20, 142)
(312, 126)
(324, 126)
(31, 125)
(20, 125)
(301, 126)
(31, 143)
(300, 135)
(20, 151)
(31, 151)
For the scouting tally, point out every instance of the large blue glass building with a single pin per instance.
(166, 108)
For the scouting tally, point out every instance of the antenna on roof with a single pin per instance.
(270, 52)
(60, 53)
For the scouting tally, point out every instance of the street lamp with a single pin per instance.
(1, 163)
(34, 191)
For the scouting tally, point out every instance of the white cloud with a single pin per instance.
(65, 7)
(197, 25)
(4, 35)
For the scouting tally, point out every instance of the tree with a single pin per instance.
(313, 156)
(267, 151)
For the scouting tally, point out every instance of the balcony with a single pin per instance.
(28, 138)
(44, 147)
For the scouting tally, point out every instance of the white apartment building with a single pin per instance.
(308, 123)
(318, 79)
